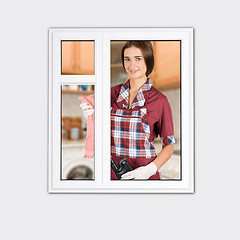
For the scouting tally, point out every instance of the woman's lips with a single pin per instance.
(133, 72)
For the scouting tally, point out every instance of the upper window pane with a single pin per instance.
(77, 58)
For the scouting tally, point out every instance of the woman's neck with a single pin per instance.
(136, 84)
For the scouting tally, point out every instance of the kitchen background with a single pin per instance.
(78, 58)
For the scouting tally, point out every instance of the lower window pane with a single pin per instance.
(77, 128)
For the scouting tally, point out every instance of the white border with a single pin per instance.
(101, 79)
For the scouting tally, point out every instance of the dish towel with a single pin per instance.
(89, 145)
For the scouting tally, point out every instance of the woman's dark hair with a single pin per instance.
(147, 51)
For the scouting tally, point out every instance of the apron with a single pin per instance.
(130, 136)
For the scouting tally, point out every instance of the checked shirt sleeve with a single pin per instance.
(168, 140)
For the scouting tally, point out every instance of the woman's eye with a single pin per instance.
(138, 59)
(126, 59)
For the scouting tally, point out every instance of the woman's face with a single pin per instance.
(134, 63)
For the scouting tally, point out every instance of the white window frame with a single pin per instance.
(102, 81)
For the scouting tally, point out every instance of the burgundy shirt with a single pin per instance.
(159, 112)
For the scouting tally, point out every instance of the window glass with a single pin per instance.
(77, 129)
(77, 58)
(165, 78)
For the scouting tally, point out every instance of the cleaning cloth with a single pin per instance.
(89, 145)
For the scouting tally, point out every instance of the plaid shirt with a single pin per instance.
(140, 101)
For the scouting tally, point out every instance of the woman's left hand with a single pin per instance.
(141, 172)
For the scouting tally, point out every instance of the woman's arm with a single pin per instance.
(164, 156)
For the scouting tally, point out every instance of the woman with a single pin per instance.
(139, 113)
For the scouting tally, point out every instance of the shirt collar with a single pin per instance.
(140, 98)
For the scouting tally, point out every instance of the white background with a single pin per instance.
(29, 212)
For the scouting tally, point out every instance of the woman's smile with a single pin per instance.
(133, 71)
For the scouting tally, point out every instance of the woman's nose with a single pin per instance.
(132, 65)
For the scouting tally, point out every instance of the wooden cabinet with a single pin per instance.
(166, 72)
(78, 57)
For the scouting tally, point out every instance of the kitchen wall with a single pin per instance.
(173, 97)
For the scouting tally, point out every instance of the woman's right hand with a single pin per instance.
(87, 109)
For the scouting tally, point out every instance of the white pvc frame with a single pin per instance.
(101, 80)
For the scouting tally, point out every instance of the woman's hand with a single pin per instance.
(87, 109)
(144, 172)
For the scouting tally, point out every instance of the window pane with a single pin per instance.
(165, 78)
(77, 159)
(77, 58)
